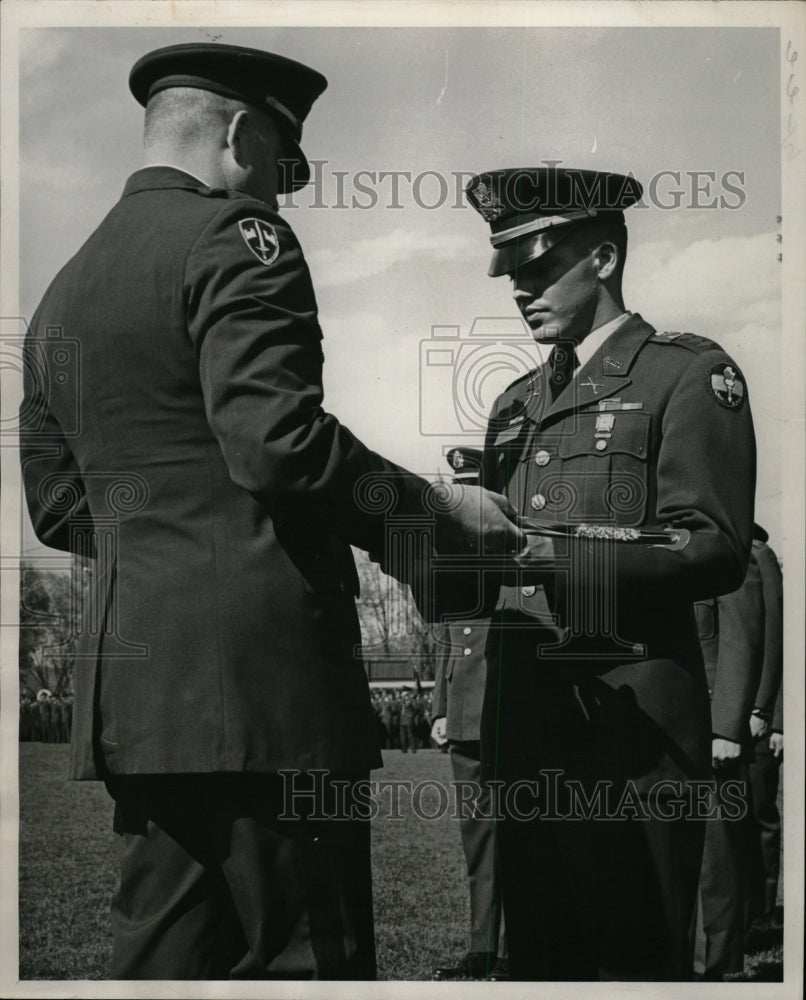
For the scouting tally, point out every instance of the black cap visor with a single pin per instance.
(523, 249)
(293, 168)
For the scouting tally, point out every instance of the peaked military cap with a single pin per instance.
(530, 209)
(760, 534)
(466, 464)
(282, 87)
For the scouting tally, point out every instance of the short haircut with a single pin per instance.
(182, 115)
(605, 228)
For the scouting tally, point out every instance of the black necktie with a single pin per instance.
(563, 362)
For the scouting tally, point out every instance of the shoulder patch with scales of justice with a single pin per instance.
(688, 340)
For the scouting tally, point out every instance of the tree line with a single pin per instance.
(51, 603)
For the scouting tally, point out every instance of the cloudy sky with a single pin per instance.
(431, 106)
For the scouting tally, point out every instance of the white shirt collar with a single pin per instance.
(589, 346)
(184, 170)
(596, 338)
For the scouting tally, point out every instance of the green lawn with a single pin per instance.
(67, 872)
(67, 869)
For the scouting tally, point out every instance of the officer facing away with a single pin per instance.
(219, 501)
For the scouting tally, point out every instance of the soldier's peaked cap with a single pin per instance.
(530, 209)
(283, 88)
(466, 464)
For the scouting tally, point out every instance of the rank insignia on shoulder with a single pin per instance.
(727, 384)
(667, 337)
(690, 341)
(261, 238)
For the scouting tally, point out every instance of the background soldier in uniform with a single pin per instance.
(27, 716)
(767, 728)
(458, 693)
(386, 719)
(227, 583)
(731, 630)
(408, 717)
(43, 701)
(622, 428)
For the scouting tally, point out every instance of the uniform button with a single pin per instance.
(466, 630)
(638, 648)
(601, 444)
(468, 650)
(538, 501)
(528, 591)
(542, 458)
(501, 457)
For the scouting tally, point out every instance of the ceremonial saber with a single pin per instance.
(671, 538)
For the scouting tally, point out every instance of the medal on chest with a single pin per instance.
(604, 429)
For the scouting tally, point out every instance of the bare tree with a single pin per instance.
(391, 626)
(50, 603)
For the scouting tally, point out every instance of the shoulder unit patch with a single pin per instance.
(261, 238)
(727, 383)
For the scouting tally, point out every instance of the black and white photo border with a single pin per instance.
(397, 219)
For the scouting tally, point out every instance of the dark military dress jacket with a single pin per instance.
(731, 631)
(173, 431)
(769, 697)
(654, 430)
(459, 676)
(461, 672)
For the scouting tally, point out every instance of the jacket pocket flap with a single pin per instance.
(623, 433)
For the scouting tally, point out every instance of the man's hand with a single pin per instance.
(474, 520)
(538, 554)
(777, 744)
(758, 727)
(723, 752)
(439, 732)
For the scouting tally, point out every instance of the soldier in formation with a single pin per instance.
(742, 640)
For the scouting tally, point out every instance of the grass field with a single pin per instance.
(67, 873)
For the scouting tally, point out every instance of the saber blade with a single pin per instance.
(676, 538)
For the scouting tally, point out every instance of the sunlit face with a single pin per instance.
(557, 294)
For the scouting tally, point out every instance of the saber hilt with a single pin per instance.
(671, 538)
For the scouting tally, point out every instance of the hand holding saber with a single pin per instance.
(539, 554)
(671, 538)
